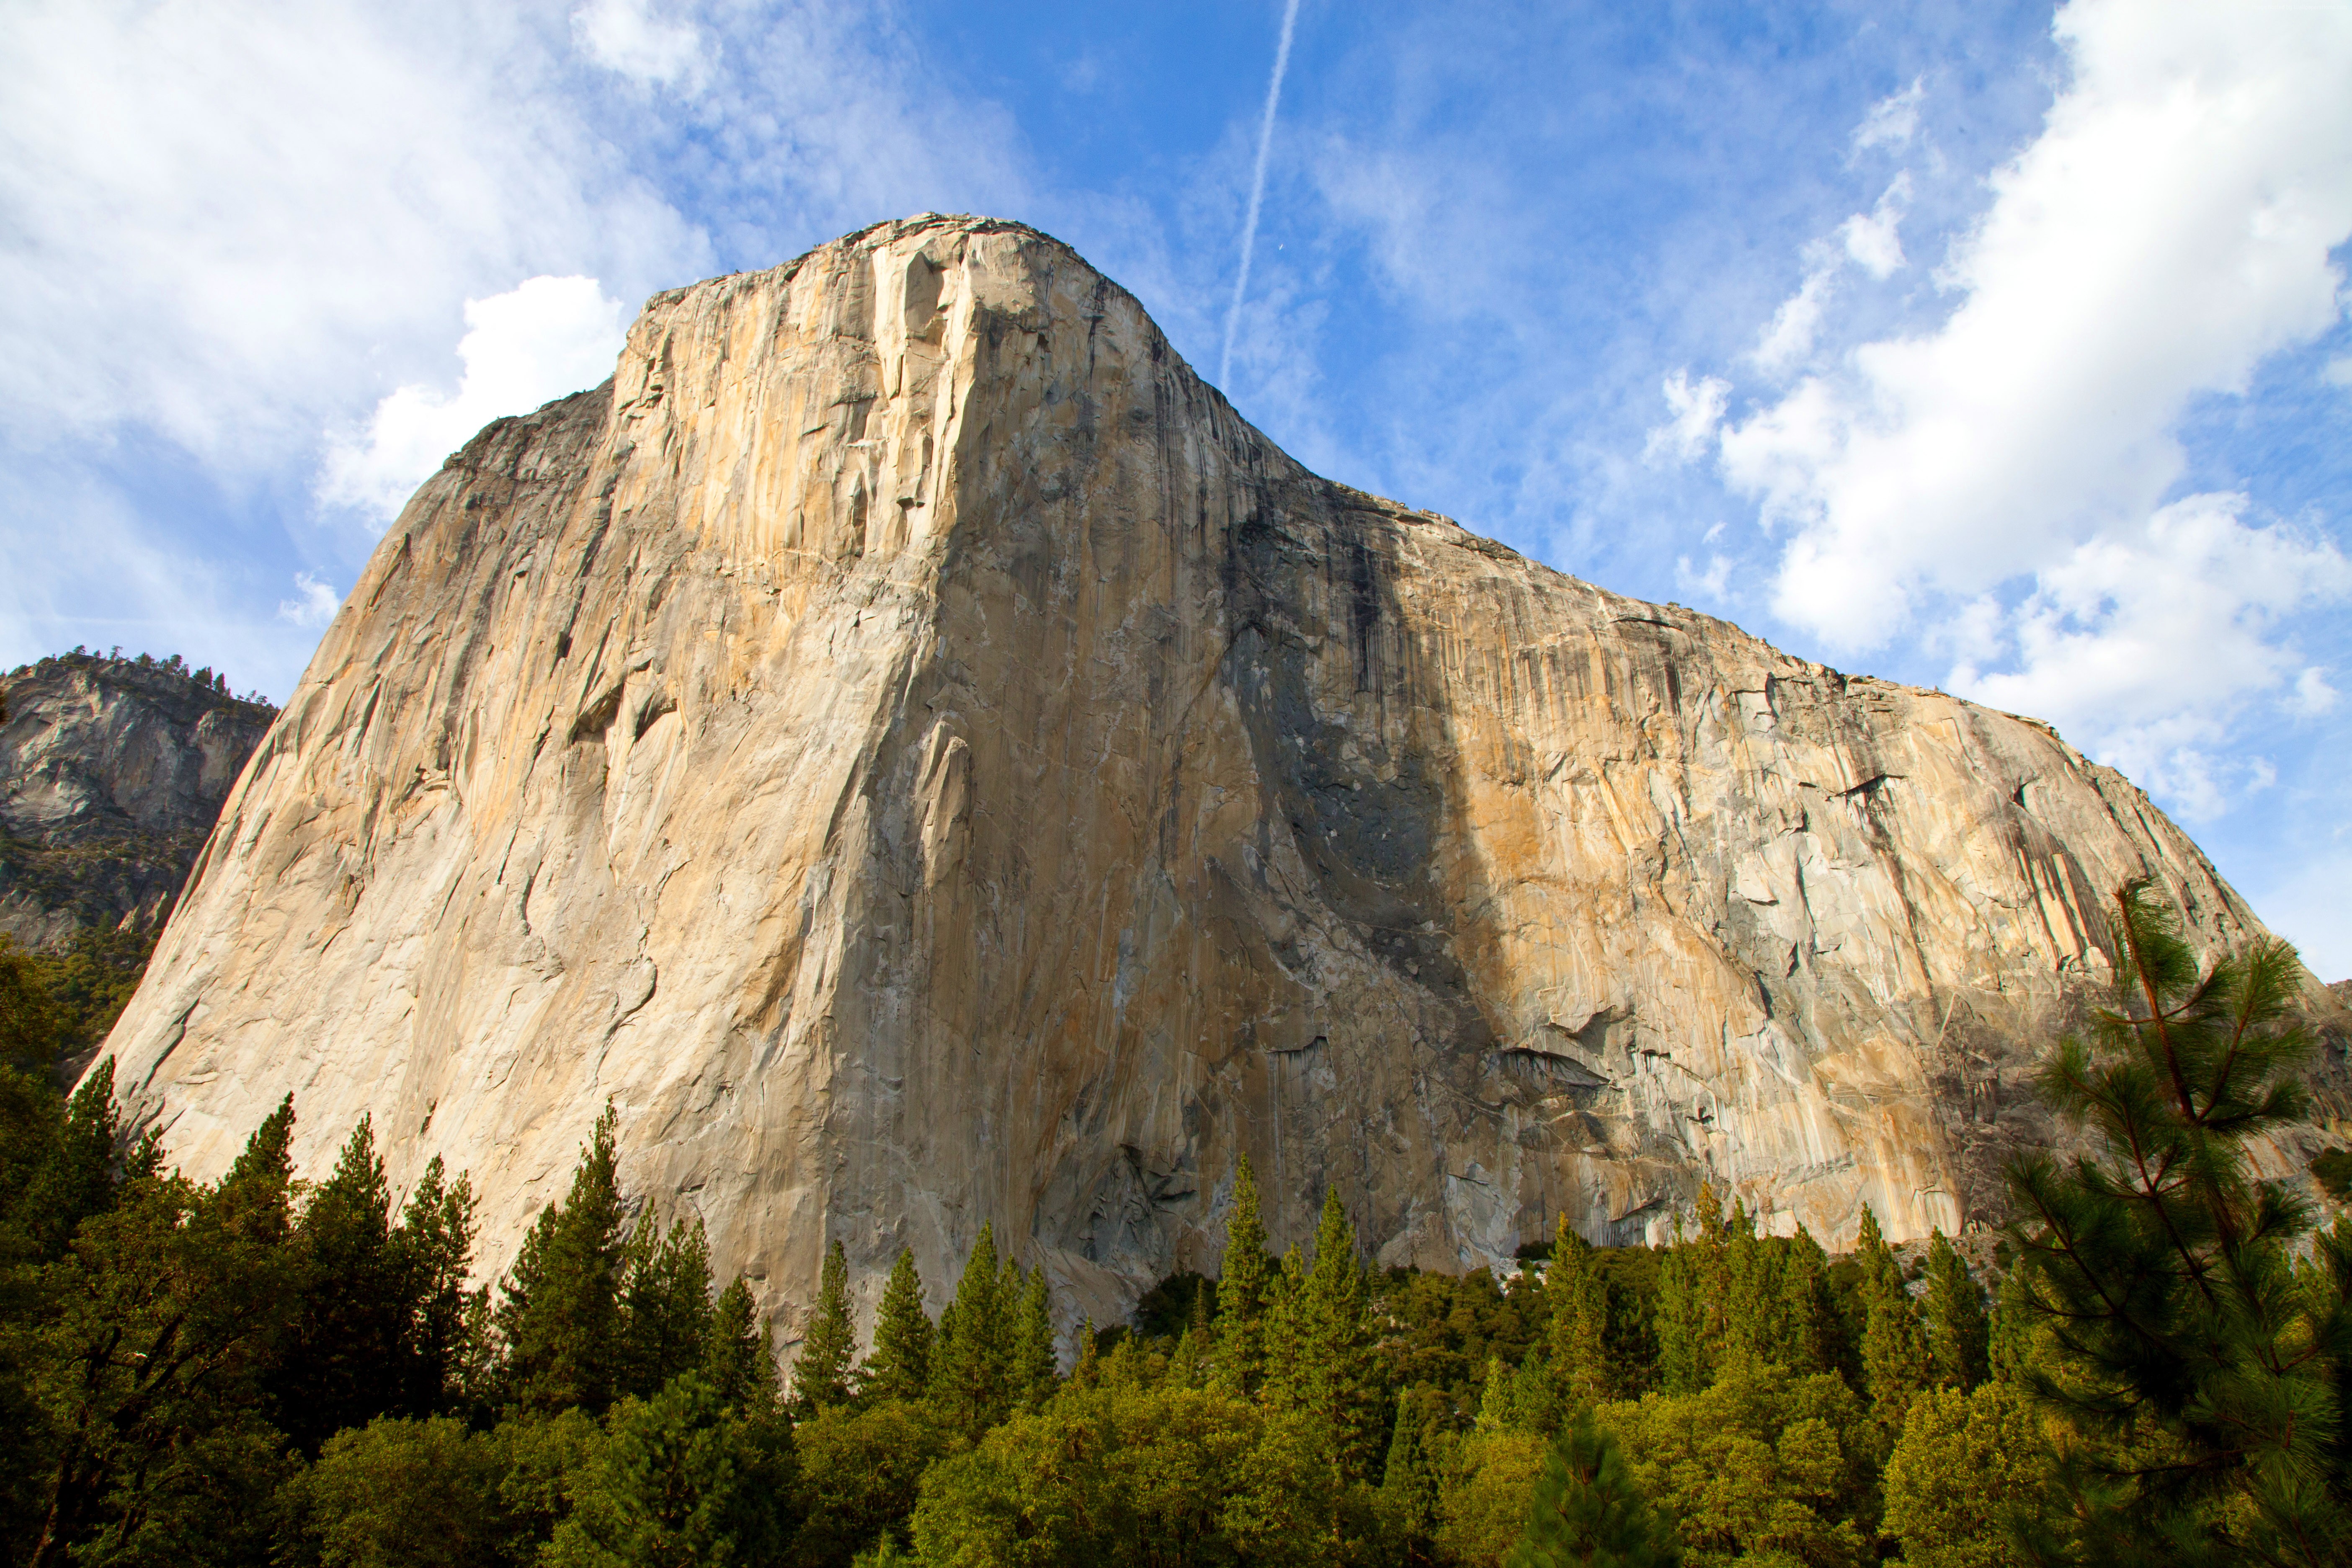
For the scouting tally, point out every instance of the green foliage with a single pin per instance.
(2201, 1367)
(1483, 1507)
(738, 1360)
(1959, 1336)
(31, 1032)
(1321, 1338)
(1586, 1512)
(680, 1479)
(1963, 1464)
(859, 1471)
(971, 1365)
(898, 1366)
(821, 1376)
(558, 1315)
(1244, 1290)
(665, 1304)
(1895, 1361)
(2332, 1171)
(397, 1493)
(1763, 1465)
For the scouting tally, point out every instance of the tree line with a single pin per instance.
(263, 1371)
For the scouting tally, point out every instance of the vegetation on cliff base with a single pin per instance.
(264, 1371)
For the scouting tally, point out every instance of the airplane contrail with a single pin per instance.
(1257, 187)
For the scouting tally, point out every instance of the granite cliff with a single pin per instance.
(913, 749)
(112, 773)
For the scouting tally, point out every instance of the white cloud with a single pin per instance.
(1894, 120)
(2339, 371)
(2313, 695)
(624, 35)
(1697, 409)
(548, 338)
(2142, 645)
(234, 225)
(1789, 339)
(1870, 239)
(2168, 228)
(314, 603)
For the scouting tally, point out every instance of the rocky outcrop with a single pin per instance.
(112, 773)
(913, 749)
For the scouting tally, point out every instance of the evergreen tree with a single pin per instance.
(898, 1366)
(1755, 1304)
(1809, 1319)
(1280, 1329)
(1410, 1492)
(2179, 1331)
(345, 1362)
(665, 1303)
(1679, 1317)
(75, 1176)
(559, 1318)
(1581, 1368)
(433, 1247)
(1244, 1290)
(737, 1361)
(1588, 1514)
(1033, 1361)
(971, 1363)
(1957, 1332)
(821, 1375)
(1335, 1375)
(1895, 1361)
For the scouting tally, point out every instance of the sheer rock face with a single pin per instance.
(112, 773)
(914, 749)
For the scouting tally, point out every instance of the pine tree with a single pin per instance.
(1410, 1493)
(1679, 1317)
(1579, 1363)
(346, 1359)
(665, 1303)
(1895, 1361)
(970, 1365)
(75, 1179)
(1332, 1373)
(1033, 1361)
(1956, 1329)
(898, 1365)
(821, 1375)
(1586, 1512)
(559, 1316)
(433, 1247)
(1278, 1331)
(1808, 1312)
(737, 1359)
(1755, 1305)
(1244, 1290)
(2175, 1322)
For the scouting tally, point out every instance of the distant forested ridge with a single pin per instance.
(266, 1371)
(112, 772)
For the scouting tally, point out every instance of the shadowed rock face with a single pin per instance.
(112, 773)
(913, 749)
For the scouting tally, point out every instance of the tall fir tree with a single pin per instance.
(72, 1177)
(434, 1243)
(971, 1361)
(345, 1360)
(738, 1361)
(1755, 1304)
(899, 1365)
(1808, 1310)
(1957, 1332)
(559, 1314)
(1581, 1367)
(665, 1303)
(1244, 1290)
(1332, 1372)
(1033, 1362)
(1588, 1514)
(1895, 1360)
(829, 1348)
(1411, 1495)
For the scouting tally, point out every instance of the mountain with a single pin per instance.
(918, 753)
(112, 773)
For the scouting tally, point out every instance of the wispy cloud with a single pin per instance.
(1257, 186)
(314, 603)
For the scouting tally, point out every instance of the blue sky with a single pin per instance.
(1986, 346)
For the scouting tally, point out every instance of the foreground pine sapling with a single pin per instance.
(2178, 1337)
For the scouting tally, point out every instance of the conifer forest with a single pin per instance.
(2145, 1367)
